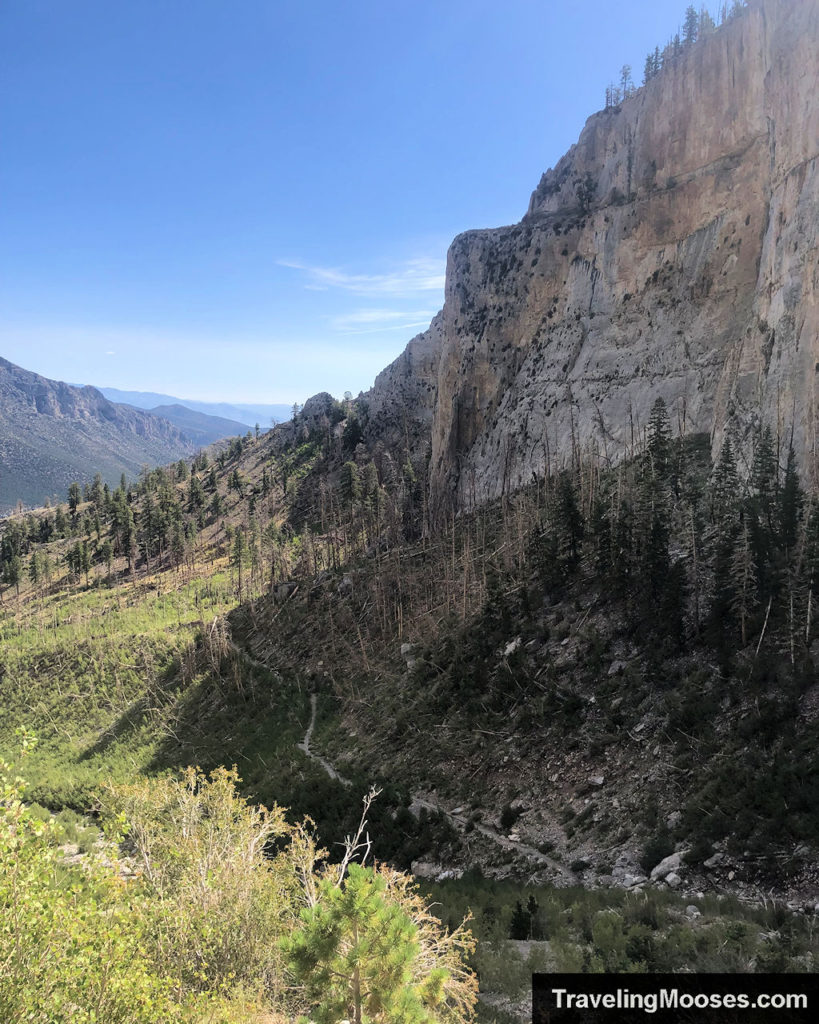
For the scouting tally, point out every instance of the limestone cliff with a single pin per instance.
(401, 403)
(672, 252)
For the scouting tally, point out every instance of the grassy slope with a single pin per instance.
(104, 677)
(140, 673)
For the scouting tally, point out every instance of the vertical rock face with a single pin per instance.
(672, 252)
(401, 402)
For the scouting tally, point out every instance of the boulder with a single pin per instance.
(667, 865)
(631, 880)
(426, 869)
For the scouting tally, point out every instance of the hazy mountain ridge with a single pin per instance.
(52, 433)
(248, 414)
(197, 426)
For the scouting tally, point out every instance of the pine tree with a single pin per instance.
(350, 484)
(129, 538)
(95, 493)
(790, 503)
(533, 910)
(359, 955)
(60, 522)
(763, 514)
(765, 477)
(623, 548)
(691, 25)
(569, 520)
(107, 555)
(659, 439)
(73, 559)
(196, 493)
(743, 572)
(725, 489)
(521, 923)
(74, 497)
(13, 572)
(706, 23)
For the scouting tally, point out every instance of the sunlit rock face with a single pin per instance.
(671, 252)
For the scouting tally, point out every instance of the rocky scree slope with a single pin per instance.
(672, 252)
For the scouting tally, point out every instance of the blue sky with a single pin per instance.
(248, 200)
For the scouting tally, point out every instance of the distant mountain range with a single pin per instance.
(247, 414)
(52, 433)
(196, 426)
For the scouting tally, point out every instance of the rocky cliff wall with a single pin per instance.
(401, 402)
(672, 252)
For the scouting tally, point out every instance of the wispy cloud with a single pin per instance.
(410, 278)
(374, 321)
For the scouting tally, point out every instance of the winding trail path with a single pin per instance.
(523, 849)
(418, 803)
(304, 746)
(530, 852)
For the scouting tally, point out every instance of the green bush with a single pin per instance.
(208, 928)
(71, 947)
(508, 817)
(657, 848)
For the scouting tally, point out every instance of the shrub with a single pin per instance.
(71, 948)
(209, 925)
(508, 817)
(200, 848)
(658, 847)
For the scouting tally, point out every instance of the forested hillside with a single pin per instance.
(605, 670)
